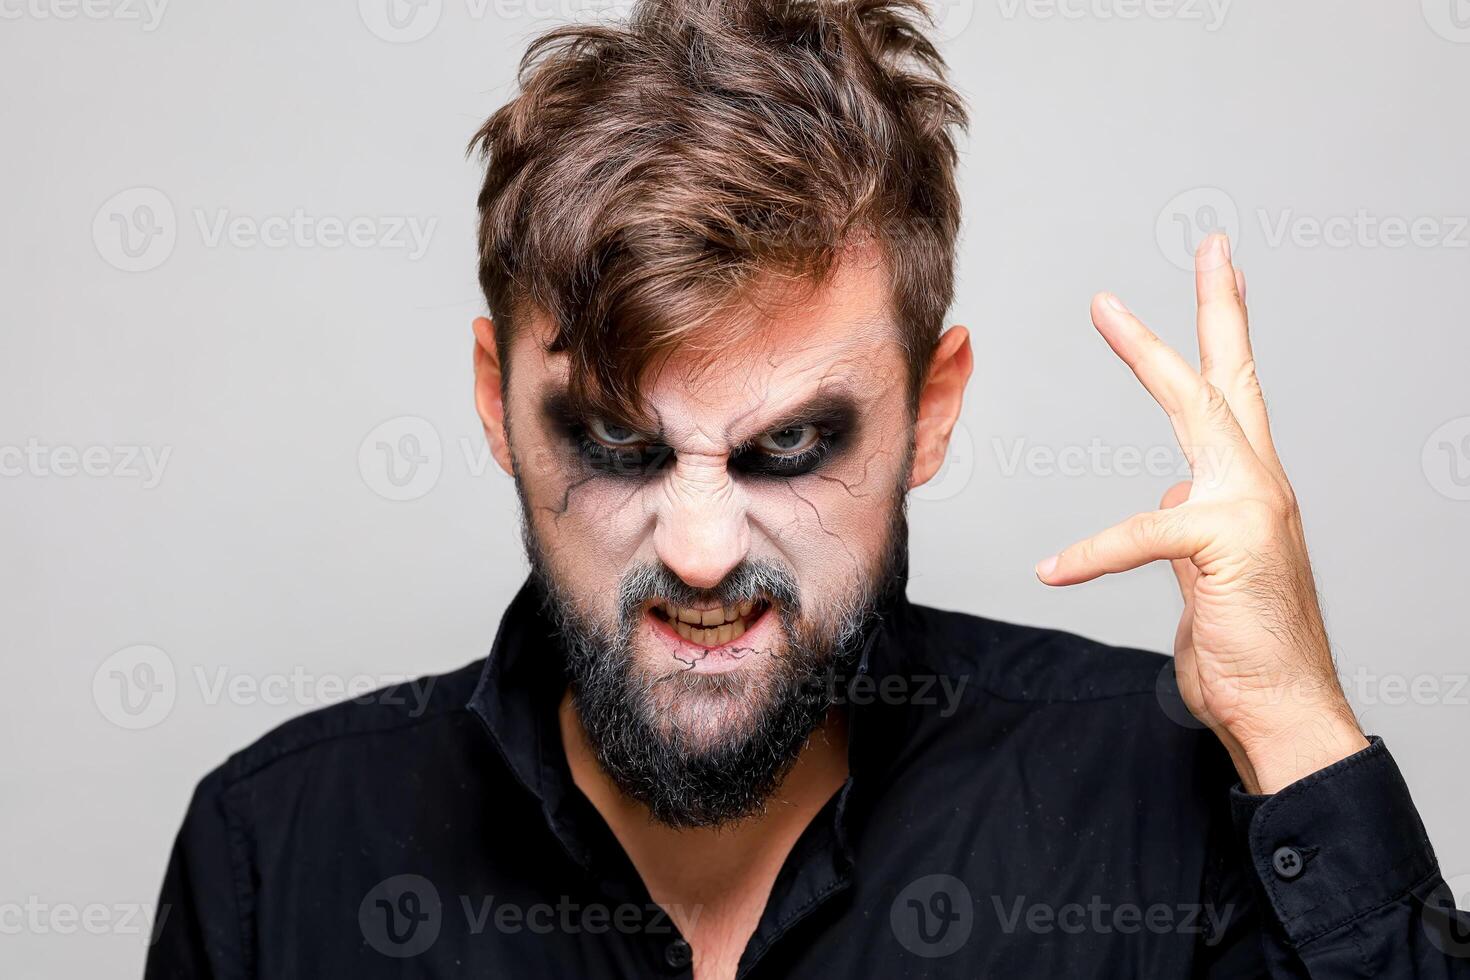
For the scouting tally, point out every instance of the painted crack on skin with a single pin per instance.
(817, 513)
(732, 651)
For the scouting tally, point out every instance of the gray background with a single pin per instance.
(277, 376)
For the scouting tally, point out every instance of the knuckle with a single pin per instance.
(1150, 527)
(1246, 378)
(1213, 401)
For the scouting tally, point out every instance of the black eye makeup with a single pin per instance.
(617, 449)
(797, 447)
(604, 445)
(789, 449)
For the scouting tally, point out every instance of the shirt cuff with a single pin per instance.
(1335, 845)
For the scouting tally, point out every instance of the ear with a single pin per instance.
(488, 399)
(939, 403)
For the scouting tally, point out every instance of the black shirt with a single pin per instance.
(1022, 803)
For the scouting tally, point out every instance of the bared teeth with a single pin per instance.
(709, 627)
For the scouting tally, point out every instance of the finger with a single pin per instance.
(1208, 432)
(1152, 536)
(1186, 573)
(1225, 356)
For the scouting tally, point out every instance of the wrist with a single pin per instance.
(1272, 753)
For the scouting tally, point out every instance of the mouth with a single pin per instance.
(709, 627)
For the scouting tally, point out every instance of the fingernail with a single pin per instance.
(1116, 303)
(1224, 246)
(1046, 566)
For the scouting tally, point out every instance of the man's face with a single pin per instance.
(707, 568)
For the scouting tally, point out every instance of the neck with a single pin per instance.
(697, 867)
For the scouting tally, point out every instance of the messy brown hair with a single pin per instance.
(649, 173)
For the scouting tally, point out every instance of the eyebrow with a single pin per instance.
(835, 408)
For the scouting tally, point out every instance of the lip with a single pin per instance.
(719, 659)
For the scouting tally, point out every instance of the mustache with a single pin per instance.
(751, 580)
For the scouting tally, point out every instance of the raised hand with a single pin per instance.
(1251, 652)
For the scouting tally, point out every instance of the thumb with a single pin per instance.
(1185, 571)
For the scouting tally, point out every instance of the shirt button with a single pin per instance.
(678, 954)
(1287, 861)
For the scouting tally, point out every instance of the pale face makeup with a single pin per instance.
(789, 450)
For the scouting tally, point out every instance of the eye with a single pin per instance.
(614, 435)
(790, 441)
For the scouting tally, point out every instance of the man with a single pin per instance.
(713, 737)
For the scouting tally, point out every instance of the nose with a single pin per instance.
(702, 532)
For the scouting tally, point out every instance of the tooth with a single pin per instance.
(698, 636)
(727, 613)
(713, 617)
(746, 607)
(682, 629)
(737, 629)
(722, 635)
(688, 615)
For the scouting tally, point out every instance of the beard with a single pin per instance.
(708, 749)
